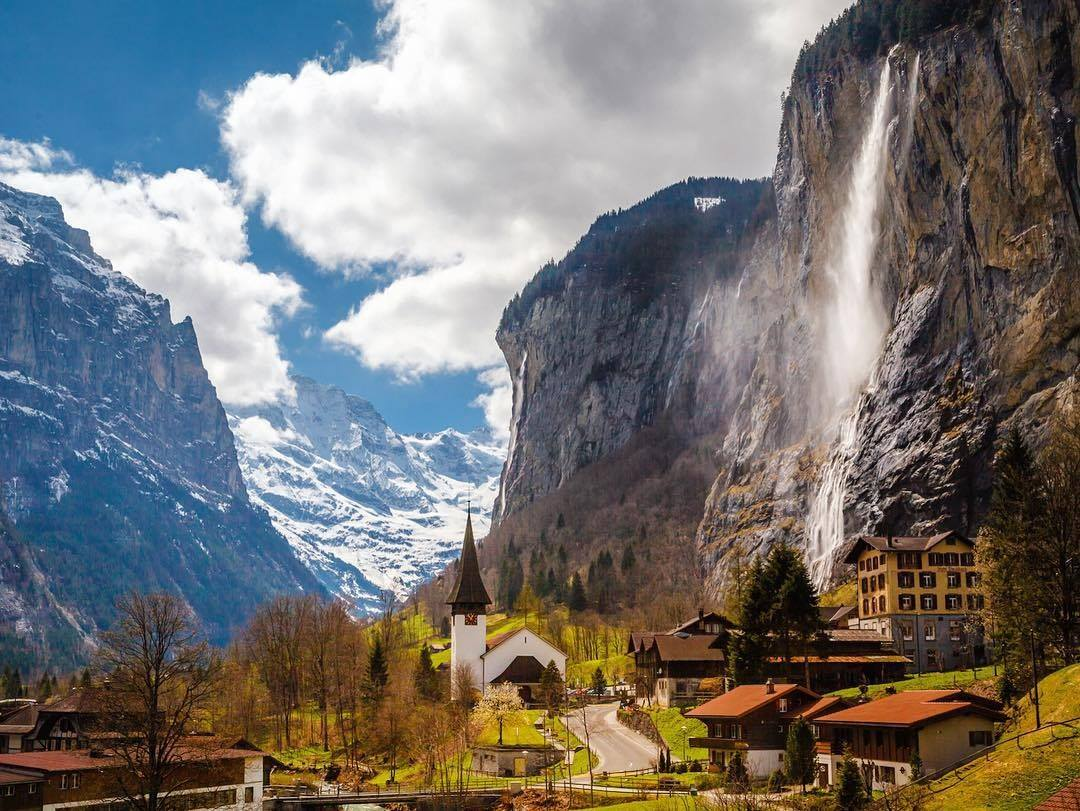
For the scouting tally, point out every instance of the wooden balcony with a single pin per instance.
(728, 744)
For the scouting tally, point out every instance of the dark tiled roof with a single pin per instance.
(522, 670)
(898, 544)
(1068, 799)
(835, 614)
(694, 648)
(469, 588)
(8, 778)
(914, 708)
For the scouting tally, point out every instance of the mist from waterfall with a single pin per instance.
(854, 326)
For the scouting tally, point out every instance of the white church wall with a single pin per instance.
(522, 643)
(467, 644)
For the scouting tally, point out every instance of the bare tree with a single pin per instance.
(161, 676)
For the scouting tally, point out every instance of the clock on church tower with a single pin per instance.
(468, 602)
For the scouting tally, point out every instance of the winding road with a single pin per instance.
(617, 747)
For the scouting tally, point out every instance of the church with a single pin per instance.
(518, 656)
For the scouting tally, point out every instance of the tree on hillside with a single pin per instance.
(794, 615)
(578, 600)
(748, 648)
(501, 704)
(1029, 550)
(552, 689)
(598, 682)
(799, 757)
(850, 789)
(162, 675)
(378, 672)
(427, 678)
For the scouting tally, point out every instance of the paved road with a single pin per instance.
(617, 748)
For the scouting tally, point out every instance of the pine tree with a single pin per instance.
(552, 688)
(378, 672)
(794, 614)
(427, 678)
(86, 680)
(799, 756)
(850, 790)
(578, 599)
(738, 778)
(598, 682)
(749, 648)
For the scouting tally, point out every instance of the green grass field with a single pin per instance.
(670, 723)
(663, 804)
(522, 733)
(844, 594)
(1019, 775)
(616, 666)
(927, 681)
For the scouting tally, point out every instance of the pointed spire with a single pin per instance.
(469, 591)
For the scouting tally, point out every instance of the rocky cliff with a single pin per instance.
(117, 466)
(906, 287)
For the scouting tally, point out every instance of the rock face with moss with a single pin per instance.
(974, 270)
(117, 466)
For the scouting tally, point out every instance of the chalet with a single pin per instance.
(83, 780)
(753, 719)
(18, 718)
(670, 665)
(943, 727)
(843, 657)
(919, 592)
(519, 656)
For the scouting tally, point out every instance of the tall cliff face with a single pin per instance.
(117, 467)
(913, 288)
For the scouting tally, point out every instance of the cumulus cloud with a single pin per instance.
(497, 402)
(487, 135)
(181, 235)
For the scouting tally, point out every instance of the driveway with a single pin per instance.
(617, 748)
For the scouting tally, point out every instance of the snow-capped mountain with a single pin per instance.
(365, 508)
(117, 467)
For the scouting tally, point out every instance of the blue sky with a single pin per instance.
(354, 193)
(119, 82)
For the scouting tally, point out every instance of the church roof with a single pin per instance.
(469, 588)
(522, 670)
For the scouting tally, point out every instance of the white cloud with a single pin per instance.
(488, 135)
(181, 235)
(498, 402)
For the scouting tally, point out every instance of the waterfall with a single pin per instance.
(854, 326)
(515, 420)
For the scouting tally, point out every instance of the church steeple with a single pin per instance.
(469, 596)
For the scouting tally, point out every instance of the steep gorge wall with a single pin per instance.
(977, 270)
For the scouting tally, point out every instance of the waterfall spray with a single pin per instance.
(854, 327)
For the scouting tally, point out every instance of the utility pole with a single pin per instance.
(1035, 682)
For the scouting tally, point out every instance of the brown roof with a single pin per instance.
(707, 616)
(640, 640)
(898, 544)
(914, 708)
(835, 614)
(845, 659)
(744, 700)
(8, 778)
(82, 760)
(855, 635)
(469, 589)
(821, 706)
(694, 648)
(1068, 799)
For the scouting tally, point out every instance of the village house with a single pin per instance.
(943, 726)
(843, 657)
(670, 666)
(84, 780)
(753, 719)
(920, 593)
(70, 722)
(518, 657)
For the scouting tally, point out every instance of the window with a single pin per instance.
(952, 558)
(881, 581)
(907, 630)
(866, 606)
(882, 559)
(873, 605)
(907, 603)
(980, 737)
(952, 580)
(927, 580)
(783, 705)
(931, 658)
(967, 559)
(910, 560)
(956, 631)
(953, 602)
(865, 585)
(905, 580)
(875, 563)
(32, 788)
(886, 774)
(873, 583)
(972, 579)
(862, 565)
(249, 794)
(929, 633)
(975, 602)
(928, 602)
(9, 791)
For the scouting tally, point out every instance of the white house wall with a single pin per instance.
(522, 643)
